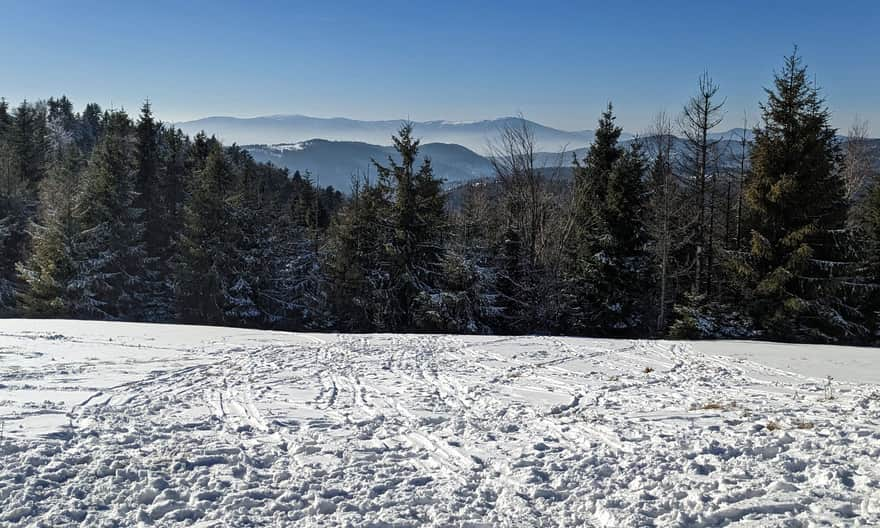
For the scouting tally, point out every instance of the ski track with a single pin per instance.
(416, 430)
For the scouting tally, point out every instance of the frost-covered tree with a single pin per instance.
(50, 270)
(24, 149)
(110, 281)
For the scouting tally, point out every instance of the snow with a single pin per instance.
(124, 424)
(301, 145)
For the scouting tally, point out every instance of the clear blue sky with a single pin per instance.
(556, 62)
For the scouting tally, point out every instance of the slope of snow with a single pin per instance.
(111, 424)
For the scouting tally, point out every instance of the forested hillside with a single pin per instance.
(682, 232)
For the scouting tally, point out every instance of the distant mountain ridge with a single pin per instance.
(282, 129)
(336, 149)
(337, 162)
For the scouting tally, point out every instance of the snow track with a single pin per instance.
(217, 427)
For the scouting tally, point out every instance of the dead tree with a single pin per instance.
(700, 116)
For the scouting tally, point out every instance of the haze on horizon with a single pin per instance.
(557, 63)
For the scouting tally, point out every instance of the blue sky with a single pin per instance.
(556, 62)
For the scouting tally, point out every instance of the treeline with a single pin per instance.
(102, 216)
(108, 218)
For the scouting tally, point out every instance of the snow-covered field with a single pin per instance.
(110, 424)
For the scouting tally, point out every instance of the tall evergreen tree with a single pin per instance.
(357, 263)
(110, 281)
(870, 231)
(626, 263)
(149, 185)
(591, 176)
(24, 150)
(591, 179)
(89, 128)
(50, 270)
(14, 209)
(199, 275)
(419, 221)
(798, 266)
(29, 141)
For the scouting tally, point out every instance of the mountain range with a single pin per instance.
(334, 150)
(337, 162)
(474, 135)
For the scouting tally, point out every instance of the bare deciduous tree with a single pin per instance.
(743, 159)
(667, 223)
(523, 181)
(857, 159)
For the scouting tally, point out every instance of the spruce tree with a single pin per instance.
(14, 212)
(149, 199)
(200, 288)
(89, 128)
(591, 176)
(356, 260)
(590, 228)
(5, 118)
(24, 149)
(110, 281)
(797, 268)
(29, 140)
(50, 270)
(418, 221)
(61, 122)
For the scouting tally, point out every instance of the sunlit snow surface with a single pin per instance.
(111, 424)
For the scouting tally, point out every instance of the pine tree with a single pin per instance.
(798, 266)
(622, 265)
(110, 281)
(89, 128)
(356, 260)
(150, 196)
(584, 253)
(24, 149)
(51, 268)
(199, 285)
(418, 221)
